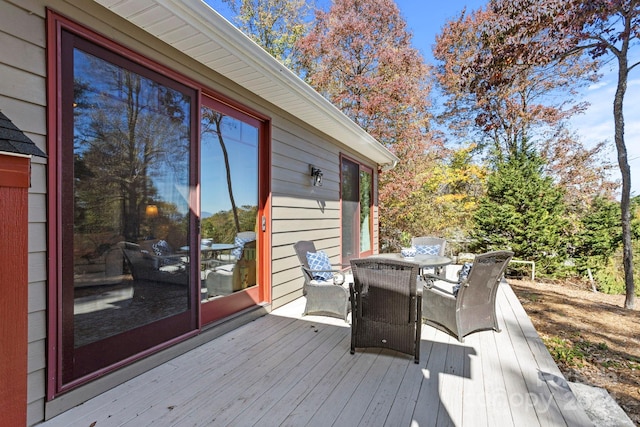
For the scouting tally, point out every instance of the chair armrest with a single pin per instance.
(428, 277)
(443, 293)
(338, 275)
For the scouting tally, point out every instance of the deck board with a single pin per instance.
(288, 370)
(475, 407)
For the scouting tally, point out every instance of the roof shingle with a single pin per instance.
(13, 140)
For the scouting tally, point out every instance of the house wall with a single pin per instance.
(299, 210)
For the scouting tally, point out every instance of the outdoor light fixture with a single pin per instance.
(316, 174)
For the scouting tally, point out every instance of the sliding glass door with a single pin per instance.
(125, 211)
(159, 194)
(229, 206)
(356, 191)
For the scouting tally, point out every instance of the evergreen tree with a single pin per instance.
(601, 234)
(523, 211)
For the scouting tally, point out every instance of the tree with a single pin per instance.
(506, 110)
(359, 56)
(523, 210)
(447, 198)
(519, 108)
(276, 25)
(538, 33)
(582, 173)
(212, 123)
(601, 234)
(458, 185)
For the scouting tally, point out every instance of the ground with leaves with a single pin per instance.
(591, 337)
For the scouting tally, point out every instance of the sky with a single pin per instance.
(426, 18)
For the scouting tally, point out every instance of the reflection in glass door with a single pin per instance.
(356, 194)
(126, 218)
(229, 208)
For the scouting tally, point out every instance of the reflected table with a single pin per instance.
(214, 250)
(211, 254)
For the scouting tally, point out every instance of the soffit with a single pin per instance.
(194, 28)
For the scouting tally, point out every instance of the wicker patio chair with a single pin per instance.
(386, 305)
(325, 297)
(432, 246)
(471, 305)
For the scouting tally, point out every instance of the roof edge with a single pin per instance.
(218, 28)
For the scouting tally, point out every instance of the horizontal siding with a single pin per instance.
(23, 100)
(35, 411)
(35, 360)
(311, 213)
(28, 117)
(34, 390)
(33, 56)
(37, 296)
(37, 267)
(36, 242)
(23, 19)
(20, 85)
(301, 211)
(291, 202)
(37, 205)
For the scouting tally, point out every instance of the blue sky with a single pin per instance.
(426, 18)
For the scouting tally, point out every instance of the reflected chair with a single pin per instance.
(154, 260)
(386, 305)
(427, 245)
(323, 287)
(471, 305)
(229, 277)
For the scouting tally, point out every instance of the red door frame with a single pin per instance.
(219, 309)
(14, 184)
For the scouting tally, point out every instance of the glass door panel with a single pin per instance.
(126, 269)
(365, 211)
(229, 209)
(356, 194)
(350, 211)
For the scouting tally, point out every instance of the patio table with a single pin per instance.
(424, 261)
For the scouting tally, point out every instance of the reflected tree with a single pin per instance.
(128, 130)
(212, 123)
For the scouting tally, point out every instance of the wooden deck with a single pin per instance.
(284, 370)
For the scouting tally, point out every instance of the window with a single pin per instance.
(357, 201)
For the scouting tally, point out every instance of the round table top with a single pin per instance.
(422, 260)
(213, 247)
